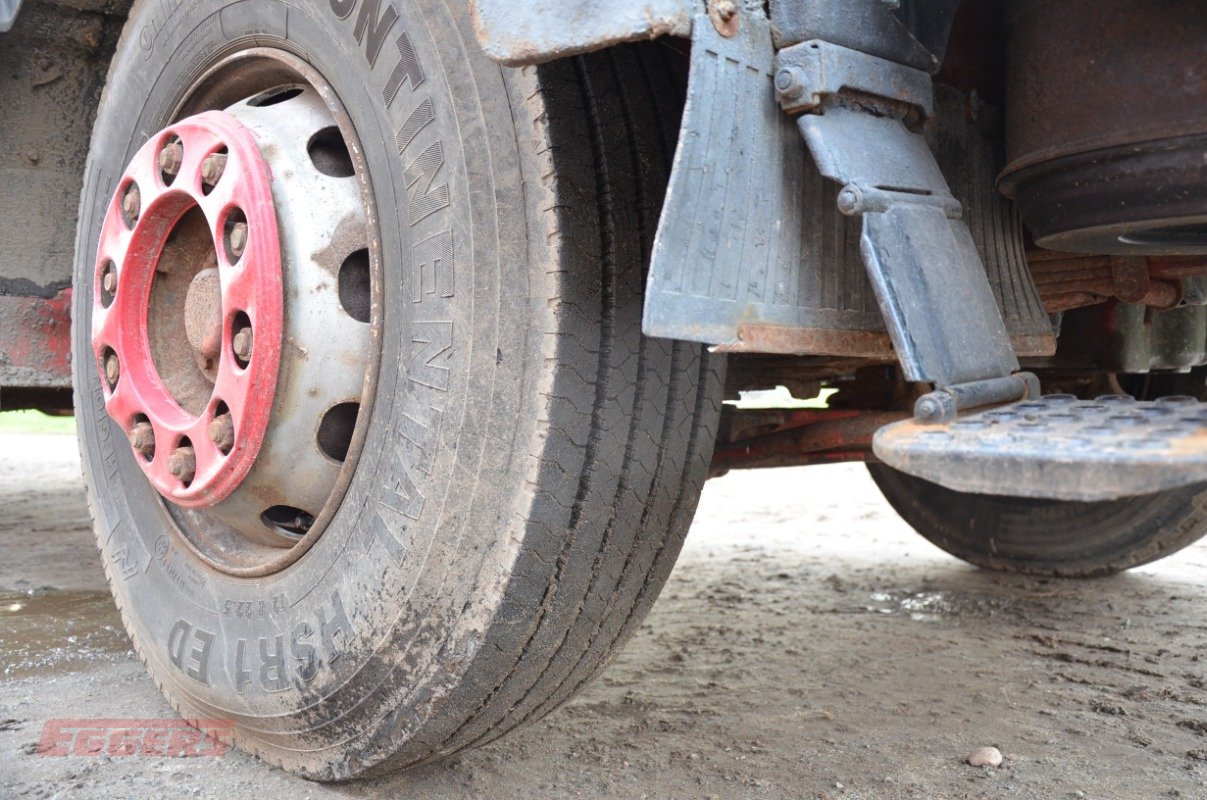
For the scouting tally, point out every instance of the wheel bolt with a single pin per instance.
(242, 344)
(142, 439)
(212, 168)
(109, 279)
(238, 238)
(170, 158)
(113, 369)
(183, 464)
(222, 432)
(132, 202)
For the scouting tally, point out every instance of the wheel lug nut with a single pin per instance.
(222, 432)
(132, 203)
(183, 464)
(212, 168)
(113, 369)
(238, 238)
(242, 344)
(170, 158)
(142, 439)
(109, 280)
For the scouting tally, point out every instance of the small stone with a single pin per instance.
(985, 757)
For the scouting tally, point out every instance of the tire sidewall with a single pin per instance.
(401, 563)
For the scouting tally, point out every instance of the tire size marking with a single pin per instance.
(189, 648)
(277, 661)
(255, 609)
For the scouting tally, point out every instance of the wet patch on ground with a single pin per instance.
(56, 633)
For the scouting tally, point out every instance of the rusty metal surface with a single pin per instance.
(52, 69)
(808, 73)
(35, 341)
(516, 34)
(1058, 447)
(757, 338)
(1107, 124)
(1070, 280)
(793, 438)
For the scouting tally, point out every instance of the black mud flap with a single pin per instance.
(752, 253)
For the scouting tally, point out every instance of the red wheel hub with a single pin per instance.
(208, 162)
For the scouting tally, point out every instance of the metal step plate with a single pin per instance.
(1058, 447)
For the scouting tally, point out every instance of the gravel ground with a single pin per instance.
(808, 645)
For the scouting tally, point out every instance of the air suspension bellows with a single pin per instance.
(1107, 124)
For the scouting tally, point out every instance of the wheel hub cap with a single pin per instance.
(233, 325)
(194, 448)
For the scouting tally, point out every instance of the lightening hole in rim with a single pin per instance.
(355, 286)
(287, 520)
(329, 153)
(275, 95)
(335, 431)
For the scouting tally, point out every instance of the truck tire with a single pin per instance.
(519, 472)
(1047, 537)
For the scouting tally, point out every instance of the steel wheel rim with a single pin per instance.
(240, 545)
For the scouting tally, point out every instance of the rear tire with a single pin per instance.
(532, 461)
(1047, 537)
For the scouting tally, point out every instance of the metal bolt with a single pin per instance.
(212, 168)
(142, 439)
(789, 85)
(113, 369)
(170, 158)
(238, 238)
(132, 202)
(222, 432)
(242, 344)
(183, 464)
(109, 279)
(850, 200)
(928, 409)
(726, 9)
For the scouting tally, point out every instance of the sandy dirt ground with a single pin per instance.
(809, 645)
